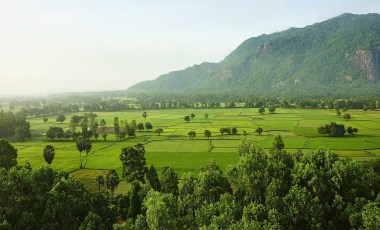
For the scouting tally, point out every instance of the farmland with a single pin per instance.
(173, 147)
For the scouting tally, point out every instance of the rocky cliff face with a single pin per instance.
(368, 62)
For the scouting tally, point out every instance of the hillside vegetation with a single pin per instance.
(337, 57)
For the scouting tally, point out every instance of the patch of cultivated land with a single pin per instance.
(173, 147)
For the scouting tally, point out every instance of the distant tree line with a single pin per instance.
(14, 126)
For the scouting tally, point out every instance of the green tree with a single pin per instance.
(140, 126)
(259, 130)
(187, 118)
(192, 134)
(8, 154)
(169, 181)
(262, 110)
(207, 133)
(145, 115)
(49, 153)
(100, 180)
(272, 109)
(161, 210)
(192, 116)
(347, 116)
(234, 131)
(112, 180)
(61, 118)
(45, 119)
(159, 131)
(148, 126)
(134, 163)
(206, 115)
(153, 180)
(278, 143)
(83, 145)
(22, 133)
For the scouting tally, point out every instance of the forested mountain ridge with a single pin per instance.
(340, 56)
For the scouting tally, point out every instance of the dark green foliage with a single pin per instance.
(148, 126)
(187, 118)
(8, 155)
(333, 129)
(159, 131)
(135, 201)
(140, 126)
(54, 133)
(14, 125)
(272, 109)
(320, 59)
(225, 130)
(49, 153)
(134, 163)
(207, 133)
(169, 181)
(347, 116)
(61, 118)
(112, 180)
(100, 180)
(259, 130)
(83, 145)
(192, 134)
(262, 110)
(43, 199)
(153, 180)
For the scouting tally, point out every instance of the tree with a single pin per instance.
(45, 119)
(192, 134)
(145, 115)
(103, 123)
(22, 133)
(207, 133)
(347, 116)
(272, 109)
(262, 110)
(100, 180)
(140, 126)
(234, 131)
(148, 126)
(8, 154)
(277, 143)
(61, 118)
(187, 118)
(259, 130)
(206, 115)
(192, 116)
(153, 180)
(83, 145)
(332, 129)
(244, 133)
(159, 131)
(169, 181)
(49, 153)
(112, 180)
(160, 210)
(104, 135)
(351, 131)
(134, 163)
(54, 133)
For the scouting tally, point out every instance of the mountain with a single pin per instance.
(340, 56)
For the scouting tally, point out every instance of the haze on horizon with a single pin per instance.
(71, 46)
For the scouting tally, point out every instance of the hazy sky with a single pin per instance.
(91, 45)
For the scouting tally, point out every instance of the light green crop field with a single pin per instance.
(173, 147)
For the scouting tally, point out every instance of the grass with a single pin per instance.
(298, 128)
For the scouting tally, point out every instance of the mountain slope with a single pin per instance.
(336, 57)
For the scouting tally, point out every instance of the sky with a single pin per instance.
(52, 46)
